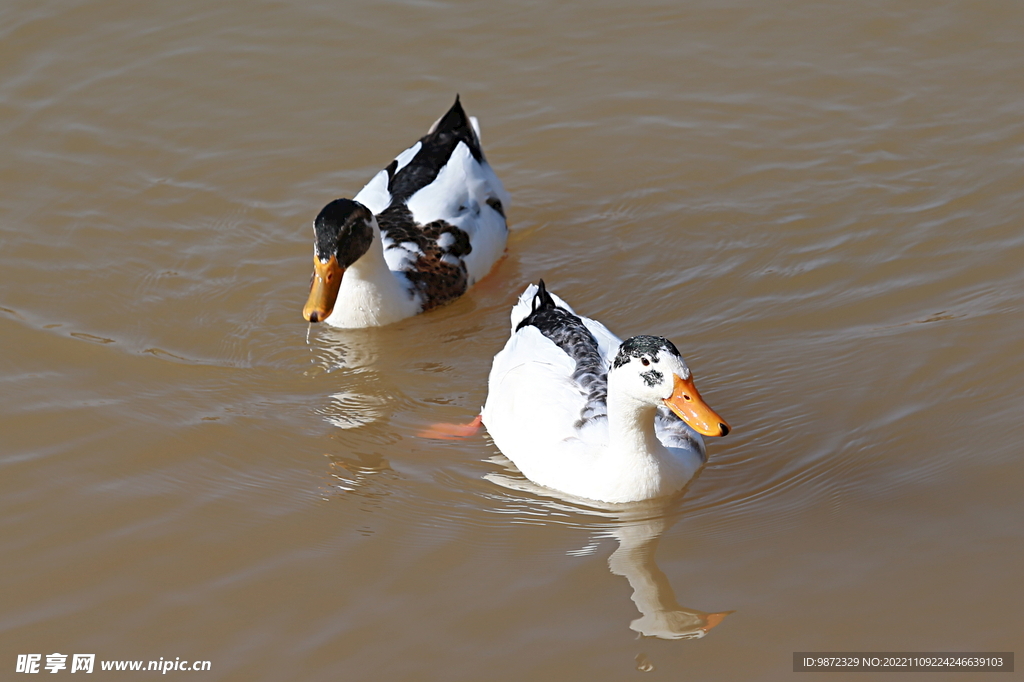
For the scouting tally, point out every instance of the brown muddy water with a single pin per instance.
(820, 203)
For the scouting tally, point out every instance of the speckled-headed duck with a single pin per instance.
(578, 410)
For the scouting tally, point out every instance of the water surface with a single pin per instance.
(818, 202)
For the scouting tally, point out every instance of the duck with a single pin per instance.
(417, 236)
(580, 411)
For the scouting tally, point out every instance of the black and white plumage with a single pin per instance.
(420, 233)
(568, 332)
(580, 411)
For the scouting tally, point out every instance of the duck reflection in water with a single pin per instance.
(662, 616)
(638, 527)
(350, 355)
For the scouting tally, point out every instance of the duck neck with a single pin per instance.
(631, 436)
(371, 294)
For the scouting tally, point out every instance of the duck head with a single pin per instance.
(343, 233)
(650, 369)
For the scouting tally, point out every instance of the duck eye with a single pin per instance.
(645, 361)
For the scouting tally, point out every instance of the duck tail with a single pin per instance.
(542, 299)
(452, 121)
(528, 311)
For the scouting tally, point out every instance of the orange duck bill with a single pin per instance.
(323, 289)
(691, 408)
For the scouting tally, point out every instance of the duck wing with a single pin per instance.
(419, 166)
(441, 210)
(532, 400)
(573, 337)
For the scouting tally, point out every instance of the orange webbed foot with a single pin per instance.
(452, 431)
